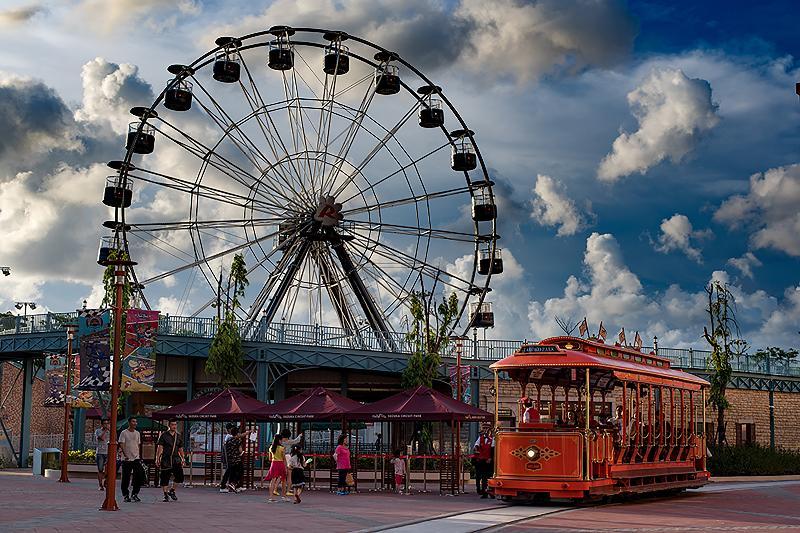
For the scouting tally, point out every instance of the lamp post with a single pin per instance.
(25, 306)
(120, 265)
(67, 407)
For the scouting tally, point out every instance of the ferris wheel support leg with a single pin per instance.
(373, 315)
(286, 282)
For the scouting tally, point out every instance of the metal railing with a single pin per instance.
(366, 339)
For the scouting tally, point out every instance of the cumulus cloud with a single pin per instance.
(526, 40)
(769, 210)
(677, 234)
(611, 292)
(745, 264)
(35, 121)
(673, 112)
(16, 16)
(106, 17)
(552, 207)
(109, 91)
(517, 39)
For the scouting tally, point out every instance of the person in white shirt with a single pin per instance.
(399, 471)
(129, 442)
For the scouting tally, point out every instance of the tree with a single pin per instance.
(428, 337)
(773, 352)
(566, 324)
(722, 334)
(226, 355)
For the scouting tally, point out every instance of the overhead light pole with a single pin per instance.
(25, 306)
(120, 265)
(67, 406)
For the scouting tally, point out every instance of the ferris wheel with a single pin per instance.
(343, 175)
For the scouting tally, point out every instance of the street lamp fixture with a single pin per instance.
(25, 306)
(6, 271)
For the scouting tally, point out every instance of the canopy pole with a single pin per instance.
(496, 400)
(587, 437)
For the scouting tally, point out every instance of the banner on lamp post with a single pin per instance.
(139, 357)
(55, 371)
(95, 349)
(466, 393)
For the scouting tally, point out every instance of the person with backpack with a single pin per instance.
(170, 460)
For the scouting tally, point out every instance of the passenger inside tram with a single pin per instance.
(531, 414)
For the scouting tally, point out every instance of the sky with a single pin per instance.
(639, 149)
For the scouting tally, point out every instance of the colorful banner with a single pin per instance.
(466, 393)
(95, 349)
(55, 369)
(139, 358)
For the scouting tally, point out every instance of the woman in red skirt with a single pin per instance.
(277, 469)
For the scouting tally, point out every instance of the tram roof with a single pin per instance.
(572, 352)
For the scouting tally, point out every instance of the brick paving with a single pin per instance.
(36, 504)
(725, 507)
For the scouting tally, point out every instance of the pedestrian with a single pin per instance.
(399, 472)
(223, 484)
(170, 458)
(297, 471)
(129, 442)
(277, 469)
(233, 452)
(288, 443)
(378, 442)
(102, 435)
(483, 462)
(342, 457)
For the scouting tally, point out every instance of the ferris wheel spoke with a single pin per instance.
(155, 237)
(232, 130)
(403, 201)
(229, 168)
(256, 102)
(415, 231)
(211, 193)
(206, 224)
(296, 123)
(415, 263)
(352, 132)
(390, 134)
(403, 168)
(212, 257)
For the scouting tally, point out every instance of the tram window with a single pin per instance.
(745, 434)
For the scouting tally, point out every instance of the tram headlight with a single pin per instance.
(531, 454)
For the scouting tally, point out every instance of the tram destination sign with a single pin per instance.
(539, 348)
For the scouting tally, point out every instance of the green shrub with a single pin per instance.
(753, 460)
(81, 458)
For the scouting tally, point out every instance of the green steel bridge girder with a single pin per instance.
(32, 345)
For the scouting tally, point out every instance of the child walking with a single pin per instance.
(399, 472)
(298, 473)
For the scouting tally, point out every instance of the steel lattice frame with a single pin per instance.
(280, 176)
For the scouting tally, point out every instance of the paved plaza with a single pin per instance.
(37, 504)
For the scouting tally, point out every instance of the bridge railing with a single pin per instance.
(366, 339)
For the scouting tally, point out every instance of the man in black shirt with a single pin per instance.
(170, 459)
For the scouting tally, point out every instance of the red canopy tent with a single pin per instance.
(313, 404)
(228, 404)
(420, 404)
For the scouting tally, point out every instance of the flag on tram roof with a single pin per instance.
(637, 341)
(602, 332)
(584, 327)
(622, 337)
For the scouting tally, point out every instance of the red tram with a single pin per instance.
(601, 420)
